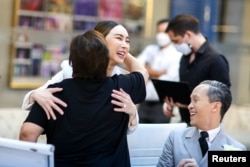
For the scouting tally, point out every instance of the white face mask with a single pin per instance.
(162, 39)
(184, 48)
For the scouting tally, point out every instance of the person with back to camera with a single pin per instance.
(200, 61)
(50, 103)
(210, 100)
(91, 133)
(162, 62)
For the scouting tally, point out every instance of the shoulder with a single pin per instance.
(131, 76)
(234, 143)
(119, 70)
(133, 84)
(62, 84)
(208, 49)
(67, 69)
(65, 64)
(184, 132)
(212, 54)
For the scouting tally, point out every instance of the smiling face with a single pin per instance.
(118, 44)
(201, 110)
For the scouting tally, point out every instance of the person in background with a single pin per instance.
(200, 61)
(210, 100)
(162, 62)
(44, 96)
(91, 133)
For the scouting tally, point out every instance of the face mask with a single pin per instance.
(162, 39)
(184, 48)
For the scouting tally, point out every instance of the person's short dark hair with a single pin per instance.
(220, 92)
(182, 23)
(89, 55)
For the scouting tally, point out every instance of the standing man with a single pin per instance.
(162, 62)
(200, 61)
(210, 100)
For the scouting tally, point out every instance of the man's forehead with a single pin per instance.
(174, 38)
(200, 89)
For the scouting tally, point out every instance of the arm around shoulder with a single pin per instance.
(28, 100)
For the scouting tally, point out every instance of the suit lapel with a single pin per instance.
(192, 145)
(218, 142)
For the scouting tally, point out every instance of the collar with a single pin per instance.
(212, 134)
(203, 47)
(201, 51)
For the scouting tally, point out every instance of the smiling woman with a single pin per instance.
(90, 110)
(118, 44)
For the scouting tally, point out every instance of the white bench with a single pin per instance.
(146, 143)
(15, 153)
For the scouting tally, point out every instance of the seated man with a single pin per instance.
(210, 100)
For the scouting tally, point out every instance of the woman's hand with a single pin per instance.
(45, 98)
(125, 104)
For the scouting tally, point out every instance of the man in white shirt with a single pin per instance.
(162, 62)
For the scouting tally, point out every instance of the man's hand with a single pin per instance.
(168, 107)
(167, 111)
(169, 104)
(45, 98)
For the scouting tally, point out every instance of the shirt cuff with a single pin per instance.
(132, 127)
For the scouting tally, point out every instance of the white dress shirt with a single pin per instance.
(211, 135)
(167, 59)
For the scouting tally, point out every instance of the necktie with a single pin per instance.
(203, 142)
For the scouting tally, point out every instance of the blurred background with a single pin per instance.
(34, 35)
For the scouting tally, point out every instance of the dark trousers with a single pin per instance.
(152, 112)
